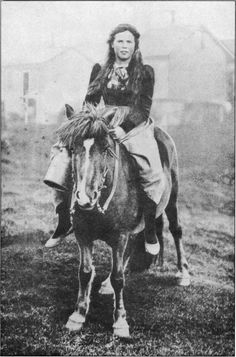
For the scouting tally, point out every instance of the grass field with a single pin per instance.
(39, 286)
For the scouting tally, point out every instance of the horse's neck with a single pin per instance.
(124, 205)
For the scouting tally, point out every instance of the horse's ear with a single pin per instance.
(101, 104)
(109, 113)
(69, 111)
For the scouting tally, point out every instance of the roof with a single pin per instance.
(155, 42)
(220, 43)
(162, 41)
(42, 55)
(230, 44)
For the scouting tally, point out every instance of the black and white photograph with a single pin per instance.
(117, 178)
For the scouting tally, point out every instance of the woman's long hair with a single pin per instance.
(135, 67)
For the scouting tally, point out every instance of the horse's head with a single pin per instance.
(87, 135)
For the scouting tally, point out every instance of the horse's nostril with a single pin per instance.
(95, 195)
(77, 194)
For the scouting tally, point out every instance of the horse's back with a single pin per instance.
(167, 148)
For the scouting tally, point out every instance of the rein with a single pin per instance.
(114, 183)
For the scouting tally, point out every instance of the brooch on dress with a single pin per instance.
(118, 78)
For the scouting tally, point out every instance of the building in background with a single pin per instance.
(193, 70)
(38, 91)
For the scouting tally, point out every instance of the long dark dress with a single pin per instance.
(124, 97)
(139, 139)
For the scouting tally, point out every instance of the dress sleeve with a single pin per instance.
(147, 91)
(140, 113)
(95, 97)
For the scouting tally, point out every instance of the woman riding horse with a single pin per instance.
(124, 82)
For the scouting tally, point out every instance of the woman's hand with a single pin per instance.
(117, 133)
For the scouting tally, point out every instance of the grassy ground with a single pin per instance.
(39, 287)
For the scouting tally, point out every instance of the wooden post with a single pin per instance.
(25, 95)
(26, 112)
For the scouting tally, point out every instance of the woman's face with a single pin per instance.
(123, 45)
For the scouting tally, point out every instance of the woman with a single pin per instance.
(125, 81)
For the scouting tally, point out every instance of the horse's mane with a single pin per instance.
(88, 123)
(91, 122)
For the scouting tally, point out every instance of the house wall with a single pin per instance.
(12, 90)
(195, 73)
(197, 70)
(161, 70)
(165, 113)
(63, 79)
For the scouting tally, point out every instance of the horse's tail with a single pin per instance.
(139, 259)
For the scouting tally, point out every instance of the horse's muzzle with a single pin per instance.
(84, 202)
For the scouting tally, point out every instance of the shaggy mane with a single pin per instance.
(88, 123)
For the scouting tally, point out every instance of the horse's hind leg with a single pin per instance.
(176, 231)
(86, 275)
(159, 232)
(120, 326)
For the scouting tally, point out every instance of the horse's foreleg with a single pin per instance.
(182, 275)
(106, 287)
(120, 326)
(86, 275)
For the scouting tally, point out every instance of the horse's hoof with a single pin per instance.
(152, 249)
(73, 326)
(106, 290)
(184, 282)
(121, 332)
(106, 287)
(75, 322)
(121, 329)
(183, 278)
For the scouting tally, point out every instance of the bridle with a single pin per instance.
(114, 182)
(102, 208)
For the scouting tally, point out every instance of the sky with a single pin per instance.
(31, 26)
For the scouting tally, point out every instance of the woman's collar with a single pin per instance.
(117, 65)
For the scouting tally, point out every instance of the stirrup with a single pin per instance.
(152, 249)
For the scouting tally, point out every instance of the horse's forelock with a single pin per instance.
(86, 124)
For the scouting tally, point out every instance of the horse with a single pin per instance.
(107, 204)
